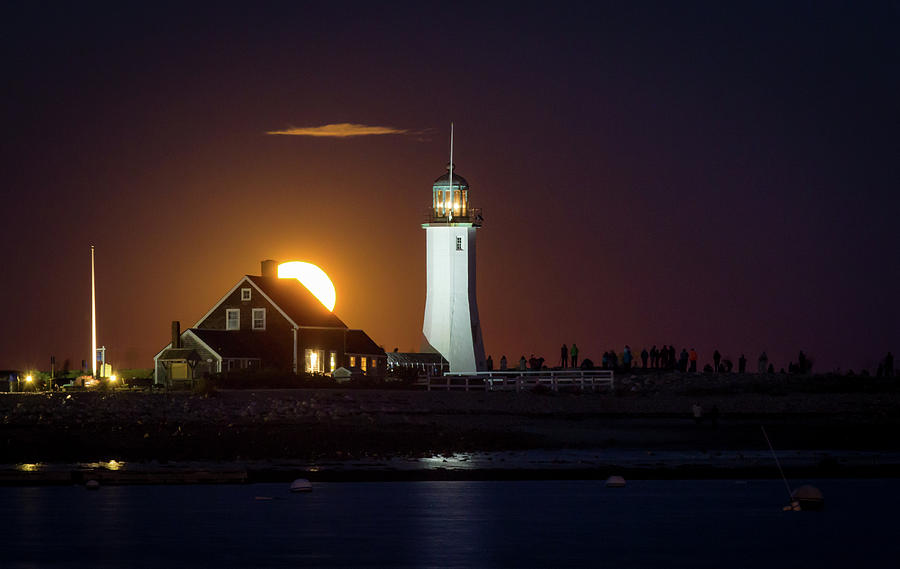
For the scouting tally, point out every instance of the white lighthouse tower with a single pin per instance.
(451, 312)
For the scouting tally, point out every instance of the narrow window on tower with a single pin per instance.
(459, 243)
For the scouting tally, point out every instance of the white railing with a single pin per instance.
(590, 379)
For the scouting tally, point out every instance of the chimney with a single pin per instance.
(270, 269)
(176, 334)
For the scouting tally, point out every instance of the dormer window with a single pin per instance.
(245, 294)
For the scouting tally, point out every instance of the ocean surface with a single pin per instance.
(658, 523)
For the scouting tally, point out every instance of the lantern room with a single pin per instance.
(449, 202)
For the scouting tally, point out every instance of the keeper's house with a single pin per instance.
(265, 322)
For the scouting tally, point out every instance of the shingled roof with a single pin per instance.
(300, 305)
(239, 343)
(358, 342)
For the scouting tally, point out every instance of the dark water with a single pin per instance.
(715, 523)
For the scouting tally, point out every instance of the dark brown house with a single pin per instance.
(265, 322)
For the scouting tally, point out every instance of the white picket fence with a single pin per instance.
(590, 379)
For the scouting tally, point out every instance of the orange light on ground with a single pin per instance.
(312, 278)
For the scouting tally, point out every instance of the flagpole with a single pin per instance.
(93, 320)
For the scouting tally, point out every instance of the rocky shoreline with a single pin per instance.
(310, 426)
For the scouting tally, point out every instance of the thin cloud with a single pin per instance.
(340, 130)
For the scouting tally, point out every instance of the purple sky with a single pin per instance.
(709, 175)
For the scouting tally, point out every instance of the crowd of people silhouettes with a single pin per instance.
(667, 358)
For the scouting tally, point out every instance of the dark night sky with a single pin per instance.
(715, 175)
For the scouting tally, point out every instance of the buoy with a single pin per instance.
(301, 485)
(92, 485)
(807, 497)
(615, 482)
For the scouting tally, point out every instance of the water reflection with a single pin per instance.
(686, 523)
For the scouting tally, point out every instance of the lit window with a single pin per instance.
(245, 294)
(315, 361)
(352, 361)
(459, 243)
(332, 361)
(362, 363)
(259, 318)
(232, 319)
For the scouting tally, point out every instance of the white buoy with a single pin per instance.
(301, 485)
(615, 482)
(92, 485)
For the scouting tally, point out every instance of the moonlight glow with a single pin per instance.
(312, 278)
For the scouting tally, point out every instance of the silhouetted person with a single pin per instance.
(574, 353)
(613, 360)
(683, 360)
(802, 363)
(889, 365)
(772, 369)
(692, 357)
(503, 363)
(717, 357)
(532, 362)
(644, 356)
(564, 356)
(522, 363)
(654, 357)
(763, 362)
(626, 358)
(490, 363)
(742, 364)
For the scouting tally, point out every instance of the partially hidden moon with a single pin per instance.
(312, 278)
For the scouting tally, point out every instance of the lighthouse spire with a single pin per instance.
(450, 214)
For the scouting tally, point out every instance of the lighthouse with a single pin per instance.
(451, 324)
